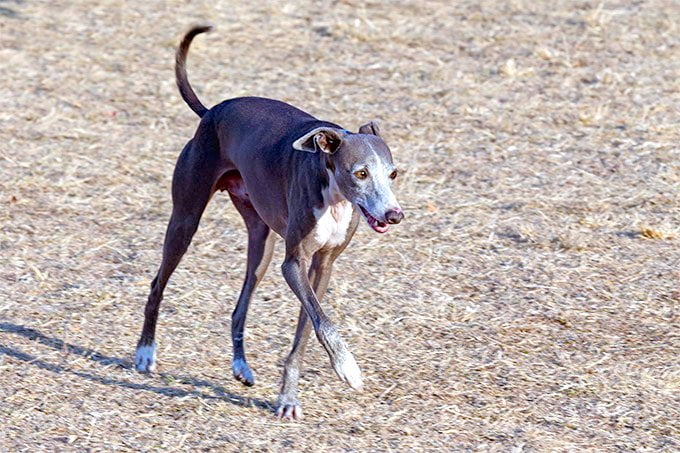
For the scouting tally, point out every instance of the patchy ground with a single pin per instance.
(529, 302)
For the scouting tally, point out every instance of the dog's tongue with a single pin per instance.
(377, 225)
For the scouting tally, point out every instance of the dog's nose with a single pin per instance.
(394, 216)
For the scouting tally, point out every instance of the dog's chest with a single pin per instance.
(332, 223)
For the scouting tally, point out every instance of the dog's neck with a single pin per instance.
(333, 198)
(331, 193)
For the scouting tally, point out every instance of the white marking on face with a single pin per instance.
(371, 148)
(379, 198)
(333, 219)
(145, 358)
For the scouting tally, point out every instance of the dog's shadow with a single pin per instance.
(216, 392)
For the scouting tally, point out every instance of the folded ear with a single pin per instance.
(326, 139)
(370, 128)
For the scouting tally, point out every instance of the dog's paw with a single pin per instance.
(347, 369)
(242, 372)
(145, 358)
(289, 409)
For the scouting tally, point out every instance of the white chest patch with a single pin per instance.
(332, 221)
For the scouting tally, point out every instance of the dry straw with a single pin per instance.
(529, 302)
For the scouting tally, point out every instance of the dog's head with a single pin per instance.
(361, 166)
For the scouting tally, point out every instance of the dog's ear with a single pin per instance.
(370, 128)
(326, 139)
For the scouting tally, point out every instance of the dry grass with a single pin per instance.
(528, 303)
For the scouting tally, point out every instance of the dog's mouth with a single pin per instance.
(377, 225)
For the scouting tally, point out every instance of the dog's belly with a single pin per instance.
(232, 181)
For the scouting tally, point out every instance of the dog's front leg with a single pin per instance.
(294, 270)
(319, 275)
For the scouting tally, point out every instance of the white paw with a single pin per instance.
(348, 370)
(242, 372)
(145, 358)
(289, 412)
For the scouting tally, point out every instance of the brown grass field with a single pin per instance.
(529, 301)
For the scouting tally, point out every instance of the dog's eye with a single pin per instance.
(361, 174)
(394, 174)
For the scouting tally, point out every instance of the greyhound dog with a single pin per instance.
(288, 174)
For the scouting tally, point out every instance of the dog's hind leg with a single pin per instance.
(261, 240)
(191, 190)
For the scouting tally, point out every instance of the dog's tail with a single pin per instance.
(185, 89)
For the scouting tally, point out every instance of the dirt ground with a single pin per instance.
(529, 301)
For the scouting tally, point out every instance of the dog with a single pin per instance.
(290, 175)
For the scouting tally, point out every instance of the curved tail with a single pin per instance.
(185, 89)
